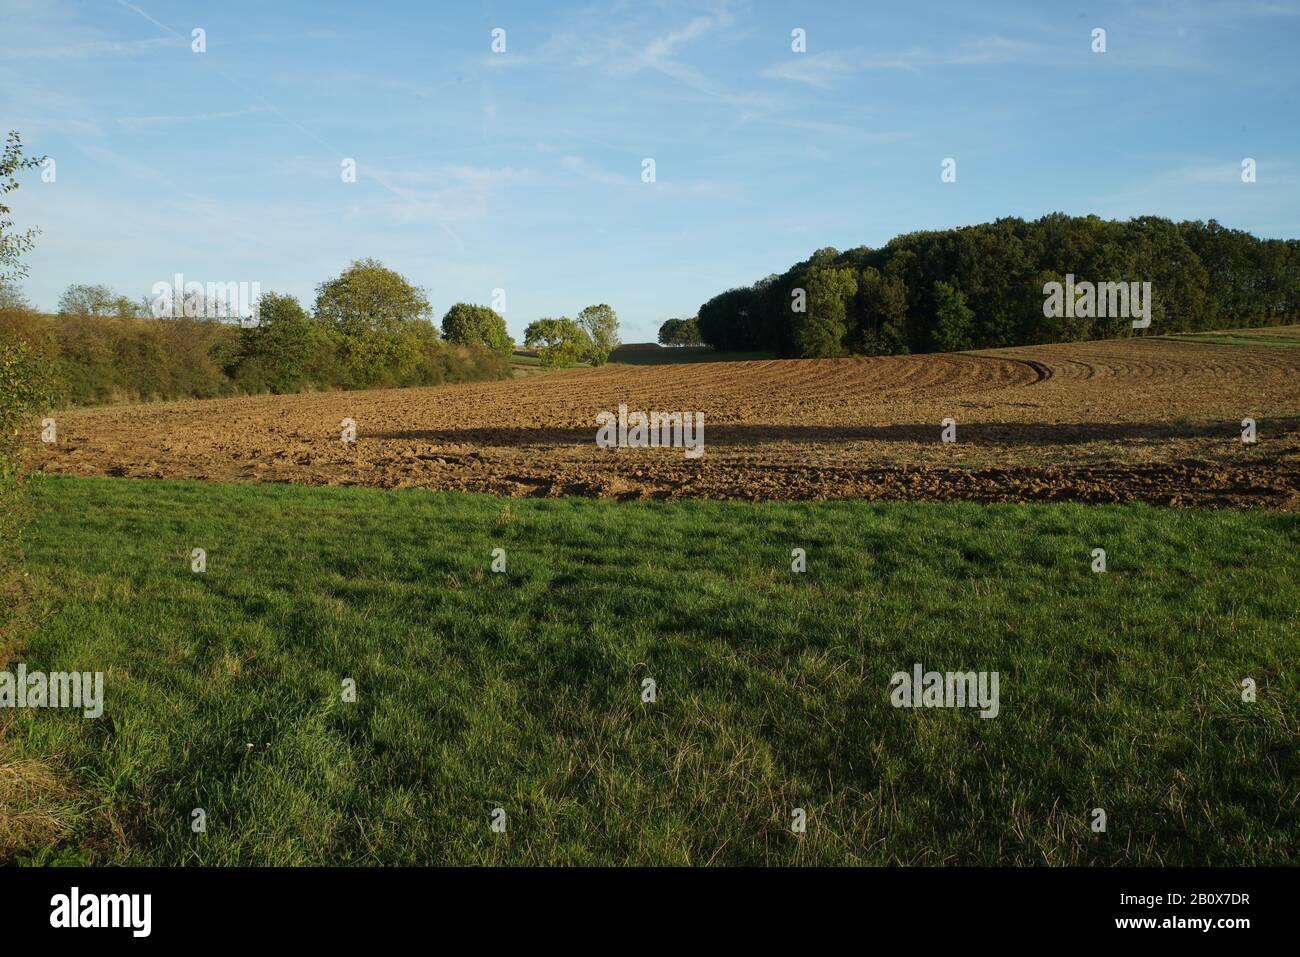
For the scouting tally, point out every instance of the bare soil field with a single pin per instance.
(1114, 421)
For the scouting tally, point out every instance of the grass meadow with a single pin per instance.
(524, 690)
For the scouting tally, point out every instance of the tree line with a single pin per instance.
(369, 327)
(983, 286)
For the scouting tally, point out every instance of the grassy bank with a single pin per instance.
(524, 690)
(1285, 337)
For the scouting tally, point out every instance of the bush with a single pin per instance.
(23, 394)
(287, 351)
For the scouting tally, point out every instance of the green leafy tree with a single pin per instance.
(24, 393)
(953, 319)
(822, 328)
(467, 325)
(370, 297)
(12, 299)
(680, 332)
(601, 325)
(287, 351)
(728, 321)
(881, 313)
(1203, 276)
(85, 299)
(559, 342)
(13, 244)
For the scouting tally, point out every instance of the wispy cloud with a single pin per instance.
(815, 69)
(91, 49)
(593, 173)
(143, 122)
(823, 70)
(1204, 189)
(444, 194)
(717, 189)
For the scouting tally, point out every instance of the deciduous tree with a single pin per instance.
(466, 324)
(370, 297)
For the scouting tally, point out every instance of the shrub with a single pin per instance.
(287, 351)
(23, 394)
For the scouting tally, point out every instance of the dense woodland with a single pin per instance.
(982, 287)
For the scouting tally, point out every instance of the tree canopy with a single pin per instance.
(680, 332)
(982, 287)
(466, 324)
(85, 299)
(558, 342)
(370, 297)
(601, 325)
(13, 244)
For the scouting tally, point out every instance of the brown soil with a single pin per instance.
(1124, 420)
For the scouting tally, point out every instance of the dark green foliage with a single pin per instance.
(881, 310)
(287, 351)
(820, 330)
(982, 287)
(680, 332)
(726, 321)
(953, 319)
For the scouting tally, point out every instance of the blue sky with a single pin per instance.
(522, 170)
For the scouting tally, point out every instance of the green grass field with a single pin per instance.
(677, 355)
(523, 690)
(1289, 338)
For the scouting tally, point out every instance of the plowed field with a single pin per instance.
(1123, 420)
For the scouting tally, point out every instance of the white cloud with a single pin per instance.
(814, 69)
(142, 122)
(589, 171)
(91, 49)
